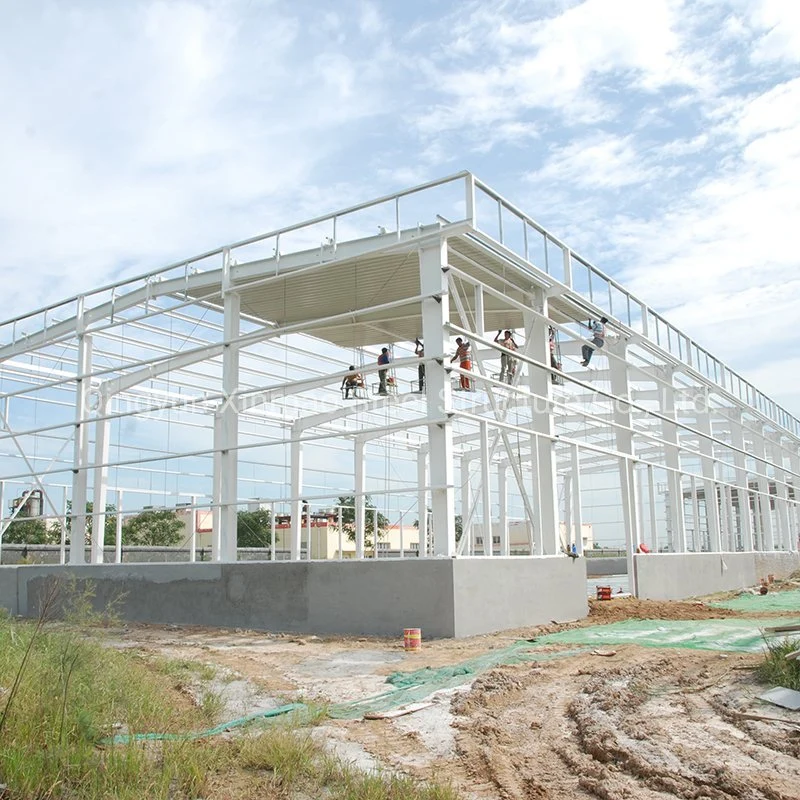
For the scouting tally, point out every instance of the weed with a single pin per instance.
(69, 693)
(184, 669)
(777, 670)
(212, 705)
(291, 756)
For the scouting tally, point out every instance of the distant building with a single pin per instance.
(519, 536)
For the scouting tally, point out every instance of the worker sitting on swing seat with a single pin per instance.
(554, 362)
(598, 339)
(464, 361)
(352, 382)
(419, 351)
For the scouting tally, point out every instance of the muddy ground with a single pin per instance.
(639, 724)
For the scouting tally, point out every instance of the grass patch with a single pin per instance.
(183, 669)
(62, 692)
(777, 670)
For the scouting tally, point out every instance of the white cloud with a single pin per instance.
(370, 21)
(136, 133)
(600, 161)
(780, 22)
(515, 63)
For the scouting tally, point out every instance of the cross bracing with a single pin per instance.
(218, 378)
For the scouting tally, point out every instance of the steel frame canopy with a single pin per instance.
(654, 403)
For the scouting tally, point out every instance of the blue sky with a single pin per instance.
(660, 138)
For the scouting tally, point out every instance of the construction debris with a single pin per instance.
(785, 698)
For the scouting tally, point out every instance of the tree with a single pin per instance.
(253, 528)
(459, 525)
(153, 528)
(348, 503)
(29, 531)
(109, 528)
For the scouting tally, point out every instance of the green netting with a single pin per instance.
(411, 687)
(127, 738)
(737, 635)
(774, 601)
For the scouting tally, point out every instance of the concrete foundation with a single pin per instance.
(444, 597)
(675, 576)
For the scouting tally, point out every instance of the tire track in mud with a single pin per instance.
(661, 725)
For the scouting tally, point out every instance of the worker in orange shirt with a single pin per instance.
(464, 361)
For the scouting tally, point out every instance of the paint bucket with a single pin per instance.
(412, 639)
(603, 592)
(770, 579)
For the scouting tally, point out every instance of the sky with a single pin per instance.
(659, 138)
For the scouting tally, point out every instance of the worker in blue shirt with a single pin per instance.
(598, 330)
(383, 360)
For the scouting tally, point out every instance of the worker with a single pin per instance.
(508, 365)
(419, 351)
(351, 382)
(384, 359)
(598, 330)
(554, 362)
(464, 361)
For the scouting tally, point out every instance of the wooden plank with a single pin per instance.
(398, 712)
(783, 629)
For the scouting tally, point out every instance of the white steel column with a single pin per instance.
(435, 313)
(360, 470)
(102, 429)
(118, 530)
(422, 501)
(651, 501)
(621, 414)
(706, 447)
(215, 489)
(781, 495)
(763, 497)
(229, 461)
(467, 527)
(731, 519)
(295, 494)
(577, 507)
(545, 479)
(742, 491)
(568, 529)
(794, 460)
(486, 492)
(502, 489)
(695, 513)
(672, 459)
(80, 474)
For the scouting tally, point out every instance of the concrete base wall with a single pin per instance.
(675, 576)
(444, 597)
(596, 567)
(500, 593)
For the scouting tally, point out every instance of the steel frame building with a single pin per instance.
(217, 379)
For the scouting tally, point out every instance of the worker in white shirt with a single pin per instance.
(598, 330)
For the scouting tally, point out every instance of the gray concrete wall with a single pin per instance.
(675, 576)
(500, 593)
(596, 567)
(444, 597)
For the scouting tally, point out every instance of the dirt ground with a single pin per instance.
(640, 724)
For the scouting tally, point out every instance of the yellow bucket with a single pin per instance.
(412, 639)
